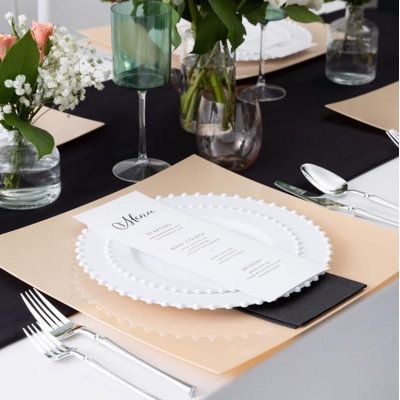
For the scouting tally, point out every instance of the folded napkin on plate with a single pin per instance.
(281, 39)
(301, 308)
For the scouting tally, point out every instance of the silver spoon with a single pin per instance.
(330, 183)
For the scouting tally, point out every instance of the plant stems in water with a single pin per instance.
(13, 180)
(209, 71)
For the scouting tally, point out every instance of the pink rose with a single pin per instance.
(6, 41)
(41, 33)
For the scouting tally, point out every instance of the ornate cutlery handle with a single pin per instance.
(188, 388)
(374, 198)
(358, 212)
(99, 367)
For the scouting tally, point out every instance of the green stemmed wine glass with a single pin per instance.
(141, 47)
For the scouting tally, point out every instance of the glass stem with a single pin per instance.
(142, 154)
(261, 72)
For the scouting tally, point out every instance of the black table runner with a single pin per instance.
(297, 129)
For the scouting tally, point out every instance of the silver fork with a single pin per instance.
(54, 350)
(58, 325)
(394, 136)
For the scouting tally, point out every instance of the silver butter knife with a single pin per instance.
(331, 204)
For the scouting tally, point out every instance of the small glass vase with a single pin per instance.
(214, 71)
(352, 48)
(25, 181)
(230, 139)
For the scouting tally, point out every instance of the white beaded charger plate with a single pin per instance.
(145, 277)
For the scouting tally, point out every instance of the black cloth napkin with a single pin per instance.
(297, 129)
(301, 308)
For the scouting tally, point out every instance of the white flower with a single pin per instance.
(7, 109)
(314, 4)
(25, 101)
(19, 91)
(22, 20)
(65, 73)
(276, 3)
(1, 116)
(28, 89)
(19, 80)
(9, 17)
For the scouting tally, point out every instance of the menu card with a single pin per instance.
(221, 255)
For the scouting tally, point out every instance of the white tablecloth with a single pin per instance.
(352, 355)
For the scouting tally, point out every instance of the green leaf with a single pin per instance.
(151, 8)
(21, 59)
(176, 37)
(226, 12)
(253, 11)
(302, 14)
(210, 29)
(5, 126)
(40, 138)
(47, 49)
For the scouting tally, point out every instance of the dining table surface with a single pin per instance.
(351, 355)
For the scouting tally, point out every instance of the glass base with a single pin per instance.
(137, 169)
(29, 198)
(268, 92)
(350, 78)
(234, 163)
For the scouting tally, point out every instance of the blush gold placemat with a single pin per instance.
(379, 108)
(100, 37)
(44, 256)
(64, 127)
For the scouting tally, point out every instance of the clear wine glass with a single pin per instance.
(267, 91)
(141, 47)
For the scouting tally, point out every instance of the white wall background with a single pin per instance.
(74, 14)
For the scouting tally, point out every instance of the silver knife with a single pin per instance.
(331, 204)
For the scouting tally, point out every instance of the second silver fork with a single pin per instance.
(54, 350)
(57, 324)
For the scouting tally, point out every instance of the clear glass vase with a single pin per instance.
(214, 71)
(352, 48)
(25, 181)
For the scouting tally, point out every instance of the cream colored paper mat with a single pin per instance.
(43, 255)
(100, 37)
(379, 108)
(64, 127)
